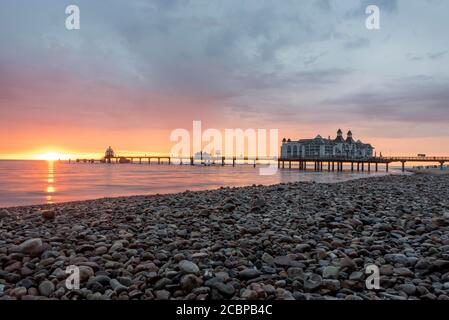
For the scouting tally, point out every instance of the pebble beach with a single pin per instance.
(296, 241)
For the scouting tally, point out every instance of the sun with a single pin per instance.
(51, 156)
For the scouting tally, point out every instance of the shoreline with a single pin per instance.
(367, 176)
(302, 240)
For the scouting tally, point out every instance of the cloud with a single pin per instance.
(357, 43)
(325, 5)
(384, 5)
(428, 56)
(289, 62)
(436, 55)
(417, 99)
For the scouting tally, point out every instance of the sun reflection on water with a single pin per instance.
(50, 180)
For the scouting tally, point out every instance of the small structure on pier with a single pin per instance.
(109, 154)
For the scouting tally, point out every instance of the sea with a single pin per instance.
(25, 183)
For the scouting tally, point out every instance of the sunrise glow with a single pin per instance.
(51, 156)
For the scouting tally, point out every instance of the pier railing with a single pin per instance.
(333, 158)
(417, 159)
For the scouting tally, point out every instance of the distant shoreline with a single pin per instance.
(429, 171)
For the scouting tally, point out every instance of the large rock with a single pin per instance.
(33, 247)
(347, 262)
(423, 265)
(4, 214)
(283, 261)
(48, 214)
(441, 265)
(397, 258)
(85, 273)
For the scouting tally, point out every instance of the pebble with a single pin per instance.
(409, 289)
(117, 286)
(329, 284)
(248, 274)
(397, 258)
(85, 273)
(188, 267)
(267, 258)
(331, 272)
(347, 262)
(162, 294)
(249, 294)
(302, 240)
(357, 276)
(312, 281)
(227, 290)
(189, 282)
(18, 292)
(282, 261)
(295, 273)
(46, 288)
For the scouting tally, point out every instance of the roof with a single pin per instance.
(349, 140)
(339, 139)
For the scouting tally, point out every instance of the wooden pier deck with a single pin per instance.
(329, 164)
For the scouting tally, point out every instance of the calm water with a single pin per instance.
(40, 182)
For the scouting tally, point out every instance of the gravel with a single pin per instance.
(289, 241)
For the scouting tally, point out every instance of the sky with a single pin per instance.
(137, 70)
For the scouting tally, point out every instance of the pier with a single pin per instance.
(330, 164)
